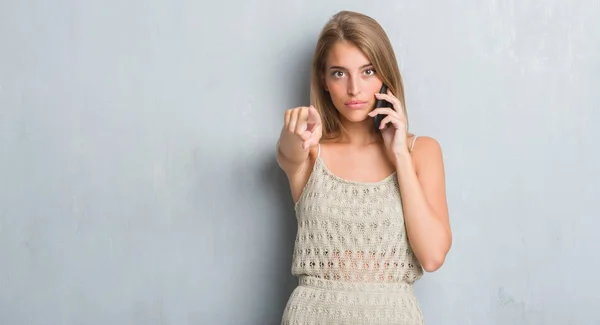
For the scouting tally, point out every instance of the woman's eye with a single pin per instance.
(338, 74)
(370, 72)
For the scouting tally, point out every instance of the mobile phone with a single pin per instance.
(381, 103)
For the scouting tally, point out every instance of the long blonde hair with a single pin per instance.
(365, 33)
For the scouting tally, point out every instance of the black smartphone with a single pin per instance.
(381, 103)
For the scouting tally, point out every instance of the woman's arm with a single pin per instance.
(422, 186)
(301, 129)
(423, 191)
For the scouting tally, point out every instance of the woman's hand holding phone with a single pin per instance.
(393, 126)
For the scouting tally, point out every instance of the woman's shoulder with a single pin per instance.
(426, 151)
(424, 143)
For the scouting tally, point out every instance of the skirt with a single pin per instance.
(318, 301)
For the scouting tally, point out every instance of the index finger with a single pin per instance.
(383, 110)
(392, 99)
(313, 115)
(302, 119)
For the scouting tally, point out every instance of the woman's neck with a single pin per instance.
(360, 133)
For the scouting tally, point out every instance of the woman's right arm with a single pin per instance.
(301, 130)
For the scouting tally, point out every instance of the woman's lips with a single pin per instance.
(355, 104)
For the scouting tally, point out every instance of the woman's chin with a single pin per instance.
(356, 117)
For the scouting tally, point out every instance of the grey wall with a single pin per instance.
(137, 171)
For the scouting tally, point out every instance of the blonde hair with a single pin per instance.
(366, 34)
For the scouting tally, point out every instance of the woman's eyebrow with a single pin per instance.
(343, 68)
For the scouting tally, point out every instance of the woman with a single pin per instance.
(371, 204)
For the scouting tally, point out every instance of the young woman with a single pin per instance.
(370, 204)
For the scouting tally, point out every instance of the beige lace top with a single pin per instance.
(352, 232)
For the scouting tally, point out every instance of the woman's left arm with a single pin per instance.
(422, 185)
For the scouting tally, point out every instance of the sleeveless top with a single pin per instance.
(352, 232)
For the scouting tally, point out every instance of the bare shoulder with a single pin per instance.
(427, 153)
(426, 145)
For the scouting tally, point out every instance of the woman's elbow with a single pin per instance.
(435, 261)
(433, 264)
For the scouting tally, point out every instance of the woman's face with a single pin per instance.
(351, 81)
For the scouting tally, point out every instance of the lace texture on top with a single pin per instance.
(352, 232)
